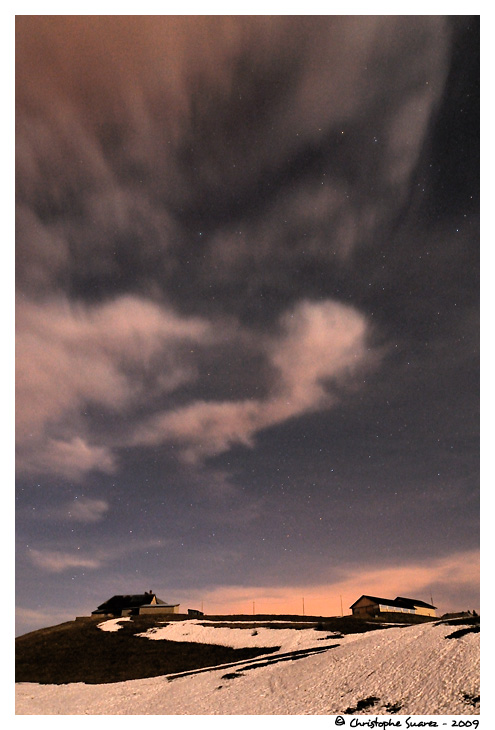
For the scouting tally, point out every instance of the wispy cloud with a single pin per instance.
(365, 88)
(87, 510)
(131, 351)
(69, 357)
(89, 557)
(69, 459)
(71, 354)
(80, 509)
(320, 348)
(54, 561)
(101, 143)
(448, 580)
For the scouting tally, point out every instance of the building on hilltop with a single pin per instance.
(373, 607)
(133, 605)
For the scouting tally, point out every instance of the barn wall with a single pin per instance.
(422, 611)
(155, 610)
(364, 607)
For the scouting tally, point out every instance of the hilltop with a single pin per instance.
(78, 651)
(249, 665)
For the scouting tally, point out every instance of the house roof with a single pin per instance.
(120, 602)
(398, 602)
(414, 602)
(165, 603)
(374, 599)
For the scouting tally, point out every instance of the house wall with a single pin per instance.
(365, 611)
(423, 611)
(158, 609)
(385, 608)
(403, 618)
(365, 607)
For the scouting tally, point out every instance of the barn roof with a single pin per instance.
(398, 602)
(414, 602)
(372, 598)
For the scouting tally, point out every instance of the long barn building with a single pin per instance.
(372, 606)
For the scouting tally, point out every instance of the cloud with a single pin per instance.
(320, 341)
(447, 575)
(68, 459)
(69, 357)
(92, 557)
(71, 354)
(57, 561)
(451, 581)
(132, 130)
(125, 354)
(320, 348)
(87, 510)
(80, 509)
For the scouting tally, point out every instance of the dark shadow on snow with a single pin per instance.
(243, 667)
(463, 632)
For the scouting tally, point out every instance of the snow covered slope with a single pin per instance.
(426, 669)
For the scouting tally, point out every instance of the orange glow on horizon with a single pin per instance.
(442, 577)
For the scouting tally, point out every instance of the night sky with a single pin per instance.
(247, 312)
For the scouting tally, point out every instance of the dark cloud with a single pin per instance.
(150, 145)
(247, 300)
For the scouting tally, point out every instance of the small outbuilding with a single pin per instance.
(135, 604)
(373, 607)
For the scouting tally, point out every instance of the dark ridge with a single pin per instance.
(461, 621)
(80, 652)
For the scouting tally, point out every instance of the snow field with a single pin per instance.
(414, 667)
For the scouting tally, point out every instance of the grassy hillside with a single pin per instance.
(78, 651)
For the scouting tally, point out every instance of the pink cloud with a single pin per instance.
(69, 459)
(450, 579)
(57, 562)
(71, 356)
(87, 510)
(319, 343)
(130, 350)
